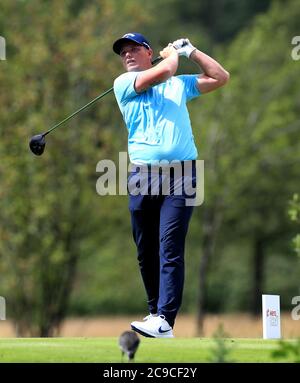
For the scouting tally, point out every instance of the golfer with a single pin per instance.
(153, 101)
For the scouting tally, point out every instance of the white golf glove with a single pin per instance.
(183, 47)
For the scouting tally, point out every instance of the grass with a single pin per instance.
(106, 350)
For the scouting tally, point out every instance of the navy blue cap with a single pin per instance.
(135, 37)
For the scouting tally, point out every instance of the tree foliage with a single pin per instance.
(63, 248)
(249, 139)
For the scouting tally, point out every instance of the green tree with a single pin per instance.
(46, 204)
(250, 146)
(60, 241)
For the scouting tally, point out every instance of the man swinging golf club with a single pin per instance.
(153, 101)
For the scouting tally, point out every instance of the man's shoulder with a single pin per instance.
(125, 76)
(124, 86)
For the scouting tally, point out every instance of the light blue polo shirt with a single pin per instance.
(157, 120)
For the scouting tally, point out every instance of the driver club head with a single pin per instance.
(37, 144)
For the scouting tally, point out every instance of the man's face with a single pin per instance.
(135, 57)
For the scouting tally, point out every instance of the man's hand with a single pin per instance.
(183, 47)
(168, 51)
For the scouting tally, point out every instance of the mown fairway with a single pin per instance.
(106, 350)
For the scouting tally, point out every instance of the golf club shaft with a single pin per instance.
(78, 111)
(155, 61)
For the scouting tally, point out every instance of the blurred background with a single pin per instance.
(66, 252)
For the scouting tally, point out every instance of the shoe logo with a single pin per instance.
(162, 331)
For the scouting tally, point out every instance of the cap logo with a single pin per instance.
(129, 35)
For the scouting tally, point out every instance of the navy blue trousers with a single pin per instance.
(159, 225)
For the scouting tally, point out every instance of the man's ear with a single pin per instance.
(150, 52)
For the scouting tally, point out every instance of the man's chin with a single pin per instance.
(132, 68)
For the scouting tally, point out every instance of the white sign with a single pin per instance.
(271, 316)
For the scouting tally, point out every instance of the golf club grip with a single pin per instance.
(158, 59)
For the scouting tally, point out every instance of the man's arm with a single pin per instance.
(160, 73)
(213, 76)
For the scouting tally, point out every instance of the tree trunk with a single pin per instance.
(211, 222)
(258, 275)
(202, 286)
(55, 305)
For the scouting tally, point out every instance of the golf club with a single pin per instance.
(37, 143)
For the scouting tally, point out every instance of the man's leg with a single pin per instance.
(145, 228)
(174, 221)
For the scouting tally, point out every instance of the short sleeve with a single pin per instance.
(124, 87)
(190, 85)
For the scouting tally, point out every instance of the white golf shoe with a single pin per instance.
(150, 316)
(153, 327)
